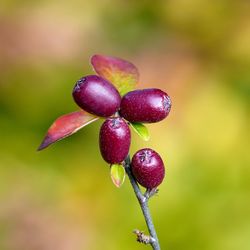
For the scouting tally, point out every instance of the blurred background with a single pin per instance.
(62, 198)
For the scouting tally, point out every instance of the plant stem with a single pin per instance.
(143, 201)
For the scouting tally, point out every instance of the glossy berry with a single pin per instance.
(114, 140)
(96, 96)
(146, 105)
(148, 168)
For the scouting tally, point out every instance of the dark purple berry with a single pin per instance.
(96, 96)
(114, 140)
(148, 168)
(146, 105)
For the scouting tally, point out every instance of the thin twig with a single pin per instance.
(143, 201)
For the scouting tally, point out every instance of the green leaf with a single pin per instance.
(141, 130)
(122, 74)
(117, 173)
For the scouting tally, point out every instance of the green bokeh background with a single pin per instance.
(62, 198)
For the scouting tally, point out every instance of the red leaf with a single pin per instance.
(65, 126)
(123, 74)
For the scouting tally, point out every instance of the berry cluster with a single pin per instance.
(98, 96)
(111, 95)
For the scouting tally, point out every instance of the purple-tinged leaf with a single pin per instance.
(66, 125)
(122, 74)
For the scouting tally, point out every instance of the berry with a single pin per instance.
(148, 168)
(146, 106)
(96, 96)
(114, 140)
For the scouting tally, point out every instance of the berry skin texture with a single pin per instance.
(97, 96)
(114, 140)
(146, 105)
(148, 168)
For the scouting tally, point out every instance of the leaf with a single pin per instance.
(122, 74)
(117, 173)
(65, 126)
(141, 130)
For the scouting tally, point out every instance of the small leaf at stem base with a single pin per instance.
(121, 73)
(141, 130)
(65, 126)
(117, 173)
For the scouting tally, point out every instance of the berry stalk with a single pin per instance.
(143, 201)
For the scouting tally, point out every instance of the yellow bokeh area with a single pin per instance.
(63, 198)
